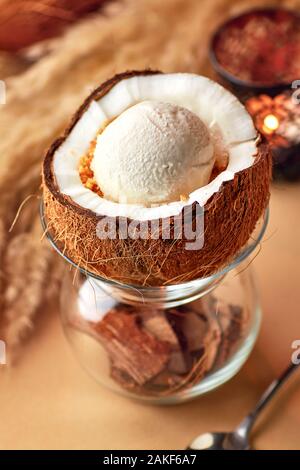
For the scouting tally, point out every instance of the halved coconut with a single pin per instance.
(90, 229)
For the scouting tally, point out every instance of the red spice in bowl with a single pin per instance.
(260, 47)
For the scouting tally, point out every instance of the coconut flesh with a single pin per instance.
(161, 136)
(226, 121)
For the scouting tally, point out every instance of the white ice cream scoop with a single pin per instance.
(153, 153)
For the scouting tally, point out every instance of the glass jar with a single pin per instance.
(163, 344)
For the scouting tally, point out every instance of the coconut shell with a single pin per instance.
(230, 217)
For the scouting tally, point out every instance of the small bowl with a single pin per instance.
(244, 87)
(106, 324)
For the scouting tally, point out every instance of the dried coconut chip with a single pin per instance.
(132, 350)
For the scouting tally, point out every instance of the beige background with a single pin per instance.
(47, 401)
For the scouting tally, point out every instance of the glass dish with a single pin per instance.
(168, 344)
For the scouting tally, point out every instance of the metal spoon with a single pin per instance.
(239, 439)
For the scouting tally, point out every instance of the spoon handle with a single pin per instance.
(245, 426)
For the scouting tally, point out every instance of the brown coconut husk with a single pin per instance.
(230, 218)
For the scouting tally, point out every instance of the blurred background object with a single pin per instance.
(25, 22)
(258, 50)
(278, 119)
(257, 55)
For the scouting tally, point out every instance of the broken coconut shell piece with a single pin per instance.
(131, 348)
(232, 321)
(231, 202)
(153, 351)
